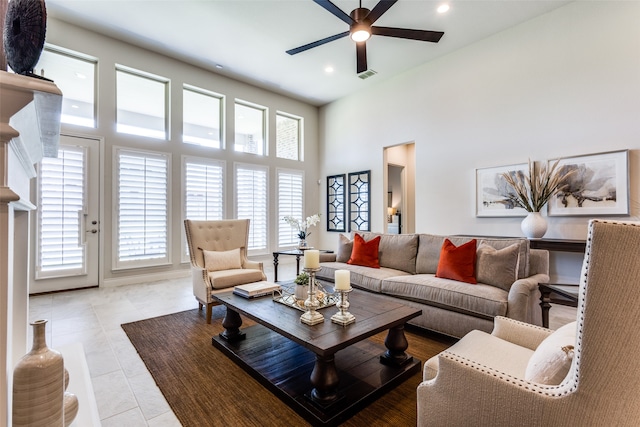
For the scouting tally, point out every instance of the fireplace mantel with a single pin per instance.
(30, 111)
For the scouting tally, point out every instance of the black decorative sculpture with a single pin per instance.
(24, 32)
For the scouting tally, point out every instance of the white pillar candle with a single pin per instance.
(343, 280)
(311, 258)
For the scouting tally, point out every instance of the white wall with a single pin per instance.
(110, 52)
(566, 83)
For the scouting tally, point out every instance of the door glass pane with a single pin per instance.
(61, 200)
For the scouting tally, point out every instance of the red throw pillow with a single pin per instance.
(365, 253)
(458, 263)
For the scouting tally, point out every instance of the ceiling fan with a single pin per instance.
(361, 28)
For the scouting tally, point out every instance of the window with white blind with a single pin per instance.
(290, 203)
(252, 202)
(203, 192)
(141, 189)
(202, 117)
(251, 129)
(288, 136)
(61, 201)
(141, 103)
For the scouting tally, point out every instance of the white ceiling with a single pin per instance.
(248, 38)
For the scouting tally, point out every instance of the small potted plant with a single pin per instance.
(301, 286)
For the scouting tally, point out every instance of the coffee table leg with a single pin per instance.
(231, 323)
(396, 344)
(324, 379)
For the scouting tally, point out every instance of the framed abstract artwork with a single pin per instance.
(359, 201)
(336, 203)
(492, 191)
(599, 185)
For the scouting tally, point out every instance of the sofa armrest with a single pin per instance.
(328, 257)
(252, 265)
(520, 333)
(524, 297)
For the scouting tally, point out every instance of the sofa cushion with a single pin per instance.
(228, 278)
(497, 267)
(523, 252)
(361, 277)
(551, 361)
(429, 251)
(480, 300)
(365, 253)
(457, 262)
(397, 251)
(505, 356)
(345, 246)
(222, 260)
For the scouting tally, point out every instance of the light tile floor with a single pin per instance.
(125, 392)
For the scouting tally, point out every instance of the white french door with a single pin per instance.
(67, 227)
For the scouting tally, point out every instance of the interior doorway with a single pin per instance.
(399, 183)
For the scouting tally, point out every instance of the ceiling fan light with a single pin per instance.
(360, 35)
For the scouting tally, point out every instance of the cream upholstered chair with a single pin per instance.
(218, 252)
(481, 381)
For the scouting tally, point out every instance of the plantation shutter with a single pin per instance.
(251, 202)
(142, 208)
(61, 200)
(290, 203)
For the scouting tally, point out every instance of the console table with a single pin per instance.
(560, 245)
(294, 252)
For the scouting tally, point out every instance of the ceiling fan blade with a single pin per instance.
(334, 10)
(361, 54)
(405, 33)
(317, 43)
(379, 9)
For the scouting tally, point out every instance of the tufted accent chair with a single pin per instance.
(223, 235)
(476, 382)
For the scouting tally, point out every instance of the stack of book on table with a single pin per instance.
(257, 289)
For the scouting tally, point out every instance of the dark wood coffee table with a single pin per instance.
(325, 372)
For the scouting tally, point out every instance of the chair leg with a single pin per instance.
(209, 310)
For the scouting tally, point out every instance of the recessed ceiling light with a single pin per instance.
(219, 67)
(443, 8)
(328, 69)
(74, 106)
(81, 76)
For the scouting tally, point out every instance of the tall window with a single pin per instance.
(203, 191)
(250, 128)
(142, 105)
(290, 203)
(251, 202)
(75, 75)
(202, 117)
(142, 215)
(288, 137)
(61, 196)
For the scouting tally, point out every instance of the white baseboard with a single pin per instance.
(144, 278)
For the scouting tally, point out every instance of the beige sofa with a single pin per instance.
(408, 263)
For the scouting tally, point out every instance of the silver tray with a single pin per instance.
(286, 296)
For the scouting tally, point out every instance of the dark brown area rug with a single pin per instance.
(205, 388)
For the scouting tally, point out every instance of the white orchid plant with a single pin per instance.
(302, 226)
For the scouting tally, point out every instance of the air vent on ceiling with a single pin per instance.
(366, 74)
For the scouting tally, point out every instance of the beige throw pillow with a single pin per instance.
(222, 260)
(345, 247)
(497, 267)
(551, 361)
